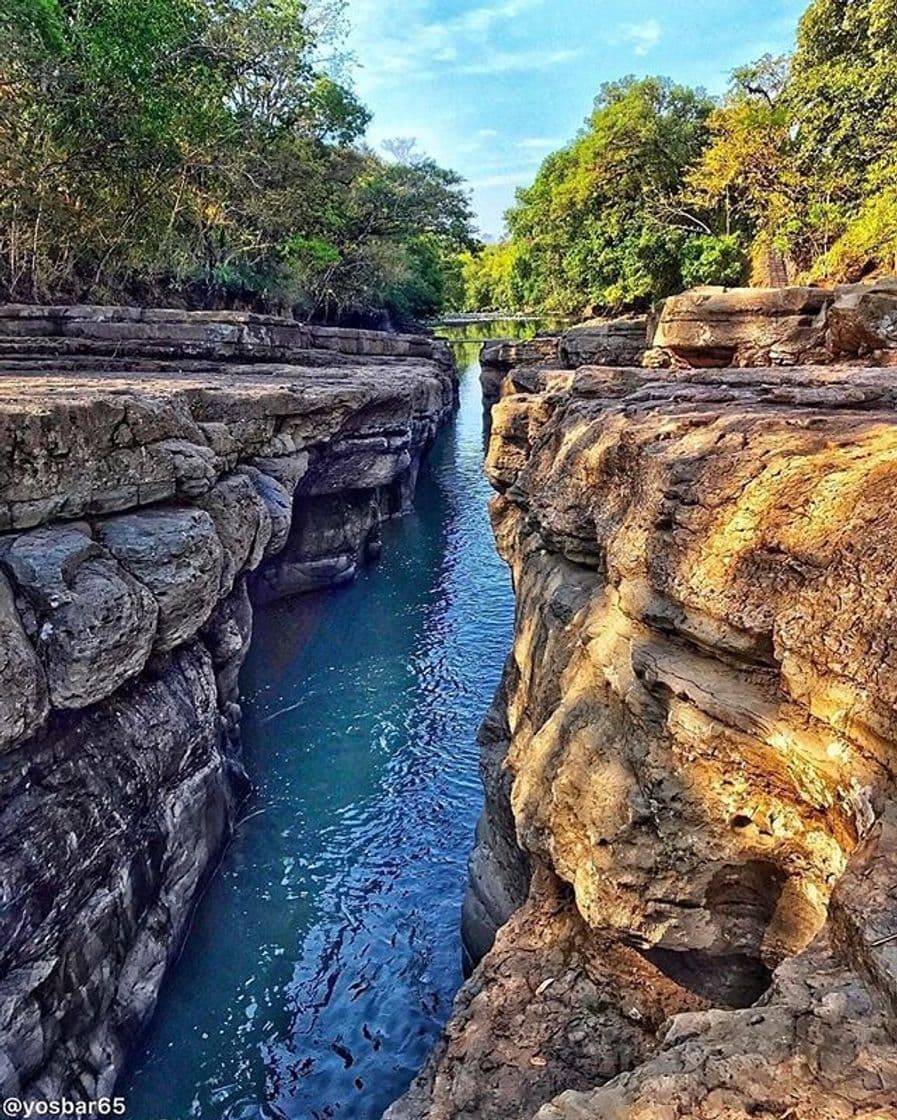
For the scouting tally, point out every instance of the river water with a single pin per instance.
(325, 954)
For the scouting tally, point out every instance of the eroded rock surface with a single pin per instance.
(776, 326)
(604, 342)
(157, 471)
(551, 1008)
(109, 824)
(95, 623)
(820, 1045)
(90, 337)
(693, 751)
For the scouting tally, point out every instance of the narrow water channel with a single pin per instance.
(324, 957)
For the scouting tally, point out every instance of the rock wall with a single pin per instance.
(692, 757)
(103, 337)
(777, 326)
(142, 509)
(606, 342)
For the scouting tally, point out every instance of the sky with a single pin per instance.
(490, 87)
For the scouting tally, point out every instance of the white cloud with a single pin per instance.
(482, 19)
(396, 40)
(508, 179)
(507, 62)
(643, 37)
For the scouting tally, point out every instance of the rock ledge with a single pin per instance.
(159, 471)
(691, 761)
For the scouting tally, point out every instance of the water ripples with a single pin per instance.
(325, 955)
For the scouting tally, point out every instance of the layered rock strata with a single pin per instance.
(606, 342)
(141, 511)
(692, 757)
(500, 356)
(91, 336)
(777, 326)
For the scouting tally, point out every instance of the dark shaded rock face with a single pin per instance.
(605, 342)
(109, 823)
(143, 508)
(499, 356)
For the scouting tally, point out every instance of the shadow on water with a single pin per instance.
(324, 957)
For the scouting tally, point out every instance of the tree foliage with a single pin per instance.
(200, 151)
(791, 175)
(599, 225)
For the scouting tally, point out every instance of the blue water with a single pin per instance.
(324, 957)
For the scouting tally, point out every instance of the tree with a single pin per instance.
(601, 224)
(745, 182)
(792, 172)
(197, 151)
(843, 103)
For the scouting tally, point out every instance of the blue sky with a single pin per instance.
(489, 87)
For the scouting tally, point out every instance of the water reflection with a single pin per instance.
(325, 955)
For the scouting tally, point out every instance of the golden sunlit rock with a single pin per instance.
(698, 747)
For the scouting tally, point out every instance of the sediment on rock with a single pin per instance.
(141, 511)
(552, 1007)
(819, 1046)
(693, 752)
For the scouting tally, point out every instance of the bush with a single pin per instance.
(714, 260)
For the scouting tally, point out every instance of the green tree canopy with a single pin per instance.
(199, 151)
(599, 223)
(791, 175)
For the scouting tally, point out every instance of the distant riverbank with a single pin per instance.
(462, 319)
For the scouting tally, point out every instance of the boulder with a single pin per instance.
(96, 623)
(719, 327)
(863, 320)
(242, 522)
(175, 553)
(278, 503)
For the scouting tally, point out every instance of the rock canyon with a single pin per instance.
(161, 471)
(681, 898)
(688, 844)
